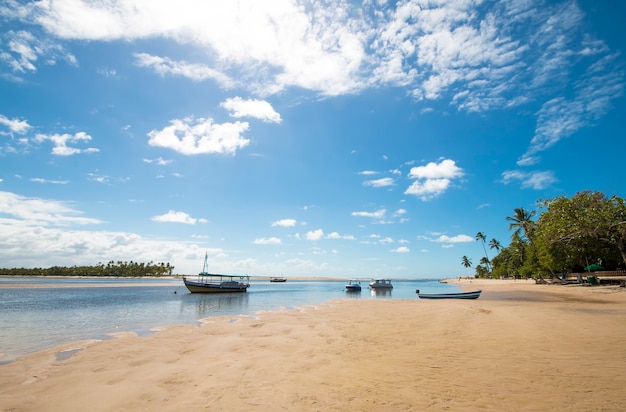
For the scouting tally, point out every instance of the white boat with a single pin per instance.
(353, 285)
(381, 284)
(215, 283)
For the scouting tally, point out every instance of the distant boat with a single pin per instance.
(353, 285)
(381, 284)
(461, 295)
(216, 283)
(278, 280)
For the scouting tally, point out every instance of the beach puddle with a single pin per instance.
(65, 354)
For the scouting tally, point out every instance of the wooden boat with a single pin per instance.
(461, 295)
(216, 283)
(353, 285)
(278, 280)
(381, 284)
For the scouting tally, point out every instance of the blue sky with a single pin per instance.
(299, 138)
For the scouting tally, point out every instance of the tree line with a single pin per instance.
(563, 235)
(118, 269)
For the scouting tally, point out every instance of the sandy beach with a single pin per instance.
(520, 347)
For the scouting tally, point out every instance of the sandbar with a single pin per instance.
(520, 347)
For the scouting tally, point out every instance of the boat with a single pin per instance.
(353, 285)
(461, 295)
(381, 284)
(278, 280)
(216, 283)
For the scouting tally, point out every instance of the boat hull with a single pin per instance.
(215, 287)
(462, 295)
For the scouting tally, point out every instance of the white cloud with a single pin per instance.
(33, 211)
(560, 117)
(61, 142)
(196, 72)
(25, 50)
(159, 160)
(202, 136)
(177, 217)
(453, 239)
(537, 180)
(433, 179)
(258, 109)
(379, 214)
(15, 125)
(336, 235)
(56, 182)
(285, 223)
(267, 241)
(401, 249)
(400, 212)
(384, 182)
(314, 234)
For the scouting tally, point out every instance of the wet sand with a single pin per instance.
(520, 347)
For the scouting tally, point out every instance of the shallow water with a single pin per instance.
(32, 319)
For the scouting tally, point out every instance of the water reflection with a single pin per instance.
(352, 293)
(381, 293)
(214, 304)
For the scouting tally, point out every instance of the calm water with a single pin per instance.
(33, 319)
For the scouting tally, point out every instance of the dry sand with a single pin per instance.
(520, 347)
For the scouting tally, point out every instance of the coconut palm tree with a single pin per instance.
(494, 244)
(522, 222)
(465, 261)
(481, 236)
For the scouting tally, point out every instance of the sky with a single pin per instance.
(299, 138)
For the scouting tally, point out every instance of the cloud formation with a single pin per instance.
(190, 136)
(433, 179)
(476, 58)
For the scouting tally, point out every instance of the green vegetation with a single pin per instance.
(121, 269)
(568, 235)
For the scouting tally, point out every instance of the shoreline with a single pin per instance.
(519, 346)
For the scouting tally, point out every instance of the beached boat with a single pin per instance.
(215, 283)
(381, 284)
(461, 295)
(278, 280)
(353, 285)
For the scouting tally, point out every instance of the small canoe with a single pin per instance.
(461, 295)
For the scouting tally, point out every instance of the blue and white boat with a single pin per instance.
(353, 285)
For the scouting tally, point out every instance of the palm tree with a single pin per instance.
(494, 244)
(481, 236)
(466, 262)
(521, 221)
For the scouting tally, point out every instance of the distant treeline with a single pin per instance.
(121, 269)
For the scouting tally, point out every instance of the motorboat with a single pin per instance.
(353, 285)
(381, 284)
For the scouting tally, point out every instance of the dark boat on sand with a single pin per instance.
(461, 295)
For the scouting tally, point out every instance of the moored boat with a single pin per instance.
(460, 295)
(381, 284)
(278, 280)
(353, 285)
(216, 283)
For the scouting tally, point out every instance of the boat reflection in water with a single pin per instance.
(221, 304)
(381, 293)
